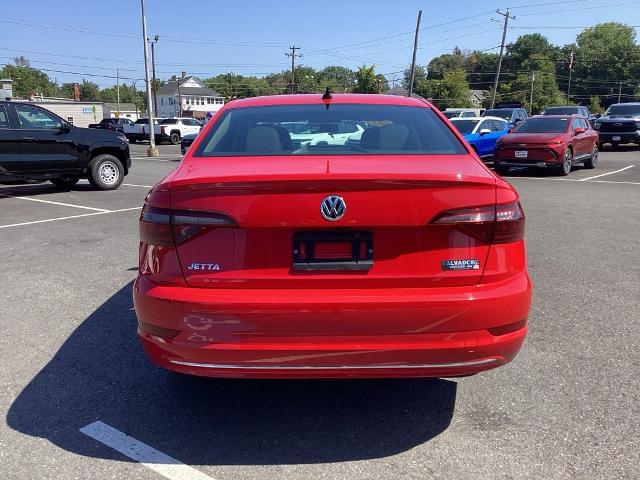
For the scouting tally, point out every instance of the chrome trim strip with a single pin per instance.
(471, 363)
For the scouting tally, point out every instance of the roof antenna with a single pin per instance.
(327, 94)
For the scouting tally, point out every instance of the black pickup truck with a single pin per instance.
(112, 124)
(36, 144)
(619, 124)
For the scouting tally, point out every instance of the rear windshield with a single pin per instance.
(561, 111)
(142, 121)
(169, 121)
(501, 112)
(465, 126)
(623, 110)
(338, 130)
(543, 125)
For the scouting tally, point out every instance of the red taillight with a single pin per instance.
(168, 228)
(489, 224)
(162, 130)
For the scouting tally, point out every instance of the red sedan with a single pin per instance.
(338, 236)
(551, 141)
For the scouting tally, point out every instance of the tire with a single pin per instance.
(565, 167)
(615, 146)
(592, 162)
(174, 138)
(65, 182)
(106, 172)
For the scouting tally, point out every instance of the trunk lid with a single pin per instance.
(273, 199)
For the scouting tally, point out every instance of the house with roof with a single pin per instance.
(196, 99)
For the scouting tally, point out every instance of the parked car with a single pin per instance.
(139, 130)
(459, 113)
(482, 133)
(401, 256)
(173, 129)
(116, 124)
(619, 124)
(552, 141)
(36, 144)
(186, 142)
(568, 110)
(512, 115)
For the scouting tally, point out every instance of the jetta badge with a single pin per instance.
(333, 208)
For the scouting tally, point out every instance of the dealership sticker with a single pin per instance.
(471, 264)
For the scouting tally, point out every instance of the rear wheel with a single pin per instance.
(593, 160)
(106, 172)
(174, 138)
(65, 182)
(565, 167)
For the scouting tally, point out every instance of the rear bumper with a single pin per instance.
(465, 330)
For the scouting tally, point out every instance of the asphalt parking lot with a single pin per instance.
(567, 408)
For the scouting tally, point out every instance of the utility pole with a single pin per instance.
(293, 56)
(415, 50)
(570, 71)
(620, 93)
(118, 88)
(504, 36)
(533, 79)
(153, 73)
(152, 151)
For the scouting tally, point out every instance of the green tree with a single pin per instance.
(545, 87)
(442, 64)
(339, 79)
(526, 46)
(419, 77)
(28, 81)
(595, 106)
(366, 81)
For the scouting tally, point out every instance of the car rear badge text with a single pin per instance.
(204, 266)
(470, 264)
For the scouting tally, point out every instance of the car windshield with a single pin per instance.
(502, 113)
(623, 110)
(465, 126)
(169, 121)
(543, 125)
(334, 130)
(451, 114)
(142, 121)
(561, 111)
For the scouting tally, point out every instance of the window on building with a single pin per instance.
(162, 101)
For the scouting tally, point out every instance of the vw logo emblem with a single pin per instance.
(333, 208)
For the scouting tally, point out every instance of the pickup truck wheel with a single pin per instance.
(106, 172)
(174, 138)
(65, 182)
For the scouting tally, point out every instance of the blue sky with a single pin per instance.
(206, 37)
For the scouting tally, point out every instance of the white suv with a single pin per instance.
(173, 129)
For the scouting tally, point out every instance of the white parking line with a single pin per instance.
(70, 216)
(135, 185)
(604, 174)
(148, 456)
(54, 203)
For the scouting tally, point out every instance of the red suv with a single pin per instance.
(550, 141)
(389, 252)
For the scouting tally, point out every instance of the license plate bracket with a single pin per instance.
(522, 153)
(336, 250)
(616, 138)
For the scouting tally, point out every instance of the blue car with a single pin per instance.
(482, 133)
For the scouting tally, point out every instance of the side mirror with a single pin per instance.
(579, 131)
(484, 131)
(65, 127)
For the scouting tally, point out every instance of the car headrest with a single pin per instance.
(265, 138)
(370, 139)
(393, 137)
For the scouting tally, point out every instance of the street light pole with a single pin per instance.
(152, 151)
(153, 73)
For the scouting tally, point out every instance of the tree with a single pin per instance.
(595, 106)
(339, 79)
(445, 63)
(22, 61)
(28, 81)
(366, 80)
(545, 87)
(526, 46)
(420, 76)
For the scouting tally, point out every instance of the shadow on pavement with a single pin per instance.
(100, 373)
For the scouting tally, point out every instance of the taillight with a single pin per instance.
(168, 228)
(489, 224)
(162, 130)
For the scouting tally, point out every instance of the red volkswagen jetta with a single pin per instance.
(336, 236)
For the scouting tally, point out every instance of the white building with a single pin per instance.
(80, 114)
(127, 110)
(197, 99)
